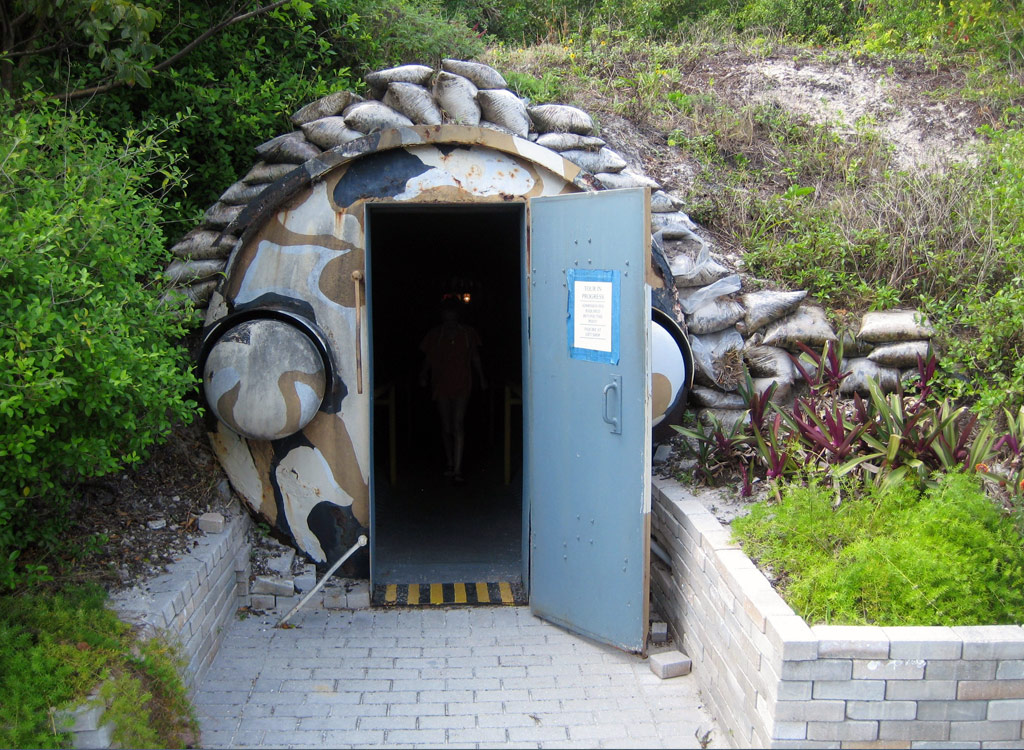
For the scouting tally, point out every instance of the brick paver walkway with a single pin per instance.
(467, 677)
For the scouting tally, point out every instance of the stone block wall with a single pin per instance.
(773, 681)
(194, 601)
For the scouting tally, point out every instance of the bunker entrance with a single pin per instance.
(428, 266)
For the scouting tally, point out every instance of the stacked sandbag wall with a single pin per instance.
(731, 329)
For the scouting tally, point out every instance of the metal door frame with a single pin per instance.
(521, 208)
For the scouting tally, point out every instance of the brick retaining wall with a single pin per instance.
(772, 681)
(195, 599)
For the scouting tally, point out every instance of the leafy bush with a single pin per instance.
(893, 556)
(89, 376)
(56, 649)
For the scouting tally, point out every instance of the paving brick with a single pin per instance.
(992, 641)
(855, 690)
(517, 735)
(913, 730)
(1006, 710)
(984, 730)
(930, 690)
(842, 730)
(819, 669)
(293, 738)
(943, 745)
(669, 664)
(952, 710)
(1012, 669)
(909, 642)
(961, 670)
(879, 709)
(890, 669)
(971, 690)
(211, 523)
(855, 642)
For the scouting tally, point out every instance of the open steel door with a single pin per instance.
(588, 468)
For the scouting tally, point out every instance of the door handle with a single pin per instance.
(616, 421)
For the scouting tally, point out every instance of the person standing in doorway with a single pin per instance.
(451, 353)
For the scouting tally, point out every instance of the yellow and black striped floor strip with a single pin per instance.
(434, 594)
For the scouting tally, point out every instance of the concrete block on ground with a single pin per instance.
(211, 523)
(358, 599)
(96, 739)
(273, 585)
(84, 718)
(282, 564)
(659, 632)
(335, 600)
(670, 664)
(262, 601)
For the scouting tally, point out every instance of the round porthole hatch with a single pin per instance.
(671, 374)
(264, 378)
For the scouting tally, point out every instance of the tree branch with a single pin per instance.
(105, 87)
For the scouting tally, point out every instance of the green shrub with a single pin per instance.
(89, 375)
(892, 556)
(56, 649)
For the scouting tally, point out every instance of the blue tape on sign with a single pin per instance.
(594, 315)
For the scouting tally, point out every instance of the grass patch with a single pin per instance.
(891, 556)
(55, 649)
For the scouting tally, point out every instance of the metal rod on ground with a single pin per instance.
(361, 542)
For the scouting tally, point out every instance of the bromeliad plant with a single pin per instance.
(881, 440)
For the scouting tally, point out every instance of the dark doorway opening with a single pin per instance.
(426, 527)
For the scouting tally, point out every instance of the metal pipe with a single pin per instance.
(660, 553)
(361, 542)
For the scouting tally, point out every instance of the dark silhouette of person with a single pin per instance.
(451, 352)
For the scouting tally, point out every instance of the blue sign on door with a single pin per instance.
(594, 315)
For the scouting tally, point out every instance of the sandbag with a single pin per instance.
(186, 271)
(715, 399)
(570, 142)
(900, 354)
(203, 244)
(675, 225)
(697, 271)
(718, 359)
(807, 325)
(500, 128)
(328, 132)
(769, 362)
(326, 106)
(767, 307)
(378, 81)
(457, 97)
(627, 178)
(604, 160)
(861, 370)
(854, 347)
(894, 325)
(561, 118)
(265, 173)
(783, 393)
(413, 101)
(370, 117)
(663, 203)
(728, 419)
(290, 148)
(220, 215)
(693, 298)
(482, 76)
(505, 109)
(714, 316)
(240, 193)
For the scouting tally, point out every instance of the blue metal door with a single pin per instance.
(588, 412)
